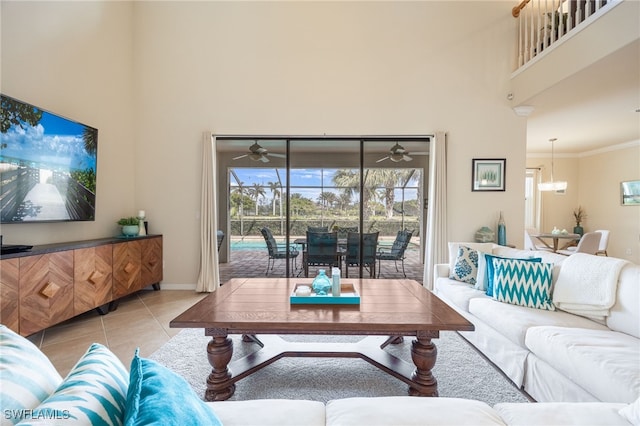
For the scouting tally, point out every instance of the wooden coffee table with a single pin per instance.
(388, 309)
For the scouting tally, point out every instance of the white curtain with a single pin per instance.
(437, 242)
(209, 277)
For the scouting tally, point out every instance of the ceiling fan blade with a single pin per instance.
(277, 155)
(264, 158)
(420, 153)
(240, 156)
(382, 159)
(405, 157)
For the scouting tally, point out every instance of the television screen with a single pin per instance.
(47, 166)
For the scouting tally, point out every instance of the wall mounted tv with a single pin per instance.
(47, 166)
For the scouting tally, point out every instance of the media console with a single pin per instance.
(54, 282)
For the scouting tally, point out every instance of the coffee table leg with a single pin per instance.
(423, 353)
(219, 385)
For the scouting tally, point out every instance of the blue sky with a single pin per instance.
(54, 143)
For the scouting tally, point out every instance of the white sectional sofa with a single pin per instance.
(100, 390)
(560, 355)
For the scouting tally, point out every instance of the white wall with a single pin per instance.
(75, 59)
(300, 68)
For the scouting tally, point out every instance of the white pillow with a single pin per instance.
(465, 268)
(453, 250)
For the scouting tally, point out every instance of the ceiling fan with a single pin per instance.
(258, 153)
(397, 153)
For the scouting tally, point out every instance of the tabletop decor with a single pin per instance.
(302, 296)
(579, 215)
(488, 174)
(130, 226)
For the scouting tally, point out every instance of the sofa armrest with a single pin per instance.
(441, 270)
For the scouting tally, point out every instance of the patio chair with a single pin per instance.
(369, 247)
(322, 250)
(343, 231)
(220, 237)
(277, 251)
(317, 229)
(396, 252)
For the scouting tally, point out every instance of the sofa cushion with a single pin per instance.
(465, 268)
(158, 396)
(94, 392)
(561, 413)
(456, 292)
(27, 377)
(486, 271)
(453, 250)
(603, 362)
(409, 410)
(524, 283)
(624, 316)
(269, 412)
(631, 412)
(513, 321)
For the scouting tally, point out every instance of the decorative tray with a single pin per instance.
(348, 296)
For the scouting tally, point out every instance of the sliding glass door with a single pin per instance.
(293, 184)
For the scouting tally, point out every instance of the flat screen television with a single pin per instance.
(47, 166)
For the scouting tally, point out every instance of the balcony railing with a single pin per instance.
(544, 23)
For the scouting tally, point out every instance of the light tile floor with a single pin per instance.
(142, 319)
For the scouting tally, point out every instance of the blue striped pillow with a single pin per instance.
(27, 377)
(523, 283)
(94, 392)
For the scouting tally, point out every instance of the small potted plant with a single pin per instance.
(130, 226)
(579, 215)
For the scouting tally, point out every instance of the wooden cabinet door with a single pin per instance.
(127, 261)
(92, 277)
(151, 261)
(46, 290)
(9, 285)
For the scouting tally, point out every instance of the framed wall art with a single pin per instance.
(488, 174)
(630, 193)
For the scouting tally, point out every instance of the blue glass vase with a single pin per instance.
(502, 231)
(321, 283)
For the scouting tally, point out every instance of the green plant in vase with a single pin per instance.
(579, 215)
(130, 226)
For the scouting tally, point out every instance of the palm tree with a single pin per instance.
(389, 179)
(257, 191)
(274, 187)
(344, 199)
(327, 199)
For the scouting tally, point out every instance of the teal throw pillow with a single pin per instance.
(465, 268)
(486, 271)
(94, 392)
(27, 377)
(158, 396)
(523, 283)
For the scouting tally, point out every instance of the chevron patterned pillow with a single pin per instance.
(94, 392)
(27, 377)
(523, 283)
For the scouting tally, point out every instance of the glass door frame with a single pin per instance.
(362, 141)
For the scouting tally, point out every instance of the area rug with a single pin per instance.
(460, 371)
